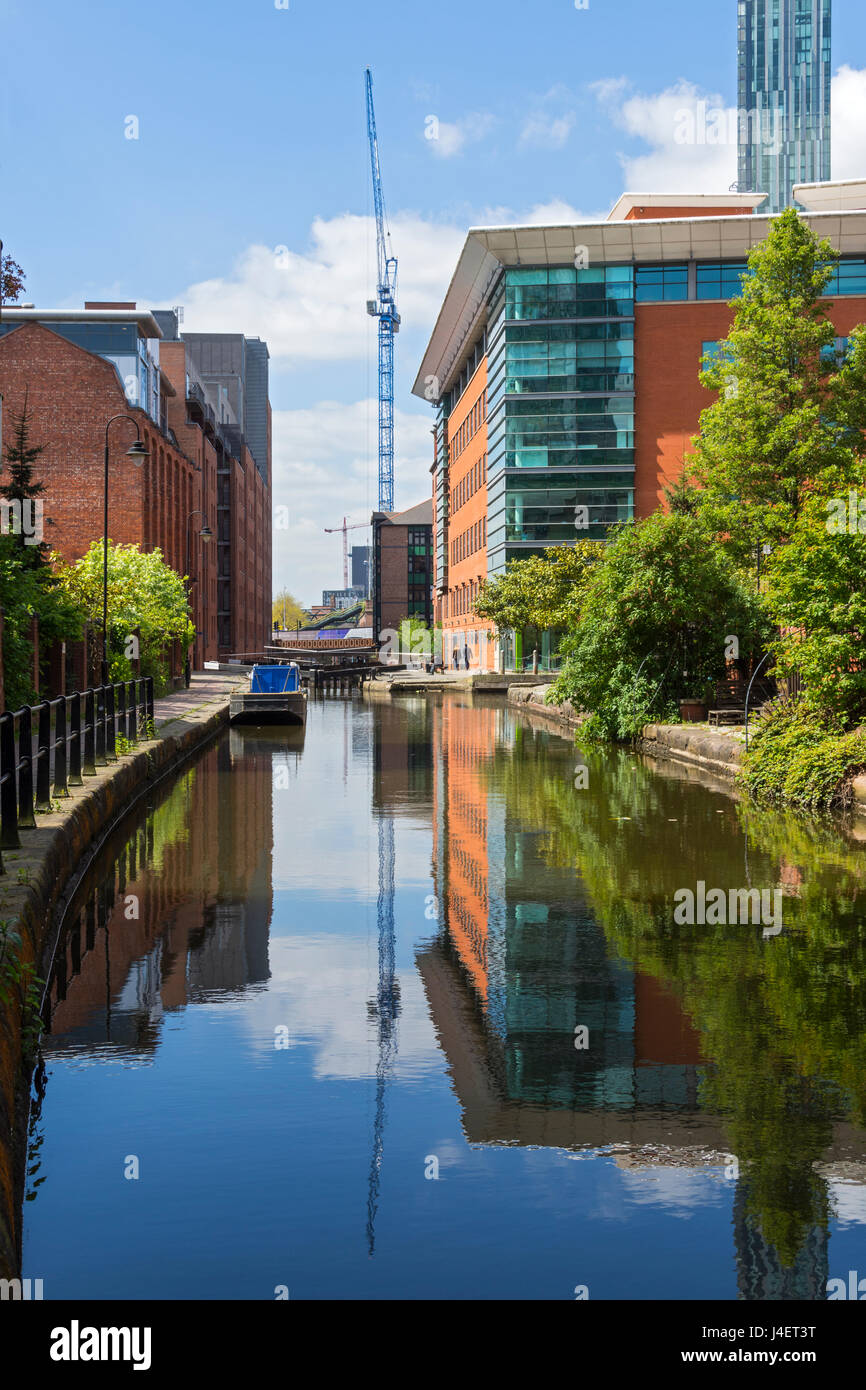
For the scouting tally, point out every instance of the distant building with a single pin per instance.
(82, 367)
(360, 556)
(402, 566)
(227, 390)
(783, 96)
(343, 598)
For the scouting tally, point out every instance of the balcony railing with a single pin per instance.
(47, 748)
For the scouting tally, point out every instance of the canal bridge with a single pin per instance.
(335, 668)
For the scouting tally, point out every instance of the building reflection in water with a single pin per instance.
(520, 961)
(177, 906)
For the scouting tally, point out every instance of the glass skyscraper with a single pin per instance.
(783, 96)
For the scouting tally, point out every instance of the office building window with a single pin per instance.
(654, 283)
(562, 292)
(849, 277)
(718, 280)
(552, 358)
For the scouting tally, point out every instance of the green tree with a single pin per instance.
(787, 413)
(815, 592)
(28, 585)
(28, 591)
(145, 597)
(11, 280)
(287, 612)
(542, 592)
(682, 496)
(654, 625)
(23, 492)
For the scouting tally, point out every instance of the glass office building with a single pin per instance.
(560, 350)
(783, 96)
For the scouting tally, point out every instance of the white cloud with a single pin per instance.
(309, 305)
(555, 213)
(849, 1202)
(325, 467)
(449, 138)
(689, 133)
(849, 123)
(692, 135)
(547, 132)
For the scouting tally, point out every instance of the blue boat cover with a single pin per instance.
(275, 680)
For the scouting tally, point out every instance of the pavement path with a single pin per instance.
(207, 687)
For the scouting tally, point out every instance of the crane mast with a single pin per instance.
(384, 308)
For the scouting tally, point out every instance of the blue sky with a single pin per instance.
(252, 138)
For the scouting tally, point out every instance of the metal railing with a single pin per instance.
(47, 748)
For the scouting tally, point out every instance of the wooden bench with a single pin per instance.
(729, 703)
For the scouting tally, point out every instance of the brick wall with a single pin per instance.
(72, 393)
(669, 398)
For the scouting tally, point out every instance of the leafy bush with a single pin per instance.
(816, 594)
(28, 590)
(657, 611)
(542, 591)
(145, 597)
(795, 758)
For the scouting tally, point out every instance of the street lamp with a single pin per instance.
(138, 453)
(206, 534)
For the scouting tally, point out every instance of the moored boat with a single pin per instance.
(274, 697)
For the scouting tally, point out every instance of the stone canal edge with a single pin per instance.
(41, 877)
(716, 752)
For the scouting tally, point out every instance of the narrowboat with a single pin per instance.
(274, 697)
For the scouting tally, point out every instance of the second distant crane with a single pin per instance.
(331, 530)
(383, 308)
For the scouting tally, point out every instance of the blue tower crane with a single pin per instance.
(383, 308)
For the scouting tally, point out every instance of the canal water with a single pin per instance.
(407, 1005)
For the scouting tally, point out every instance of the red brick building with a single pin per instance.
(79, 369)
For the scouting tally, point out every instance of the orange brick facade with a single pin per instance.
(467, 525)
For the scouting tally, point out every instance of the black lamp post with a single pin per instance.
(206, 534)
(138, 453)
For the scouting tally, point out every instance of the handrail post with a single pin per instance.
(89, 768)
(148, 687)
(43, 757)
(110, 725)
(75, 777)
(61, 746)
(99, 720)
(121, 708)
(9, 838)
(26, 816)
(131, 714)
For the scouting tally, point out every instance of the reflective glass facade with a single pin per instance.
(783, 96)
(720, 280)
(560, 408)
(660, 282)
(724, 280)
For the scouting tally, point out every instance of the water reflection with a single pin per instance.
(176, 909)
(427, 905)
(707, 1045)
